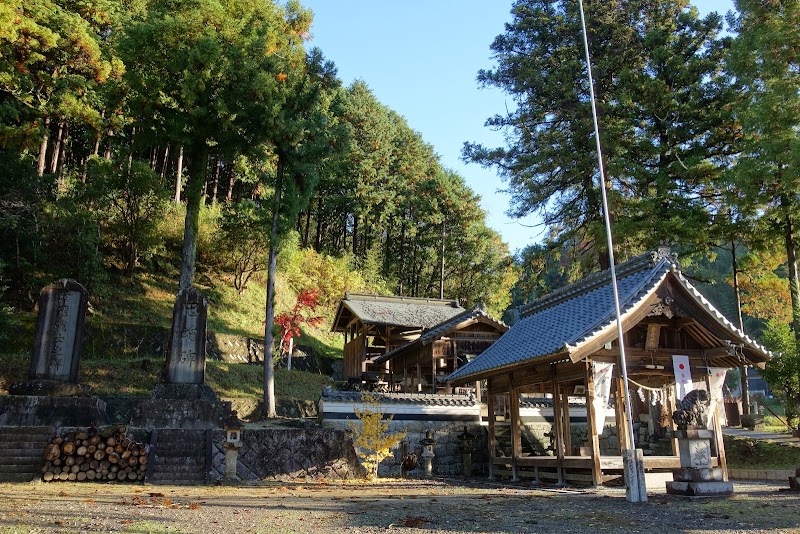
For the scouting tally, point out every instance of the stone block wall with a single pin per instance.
(289, 454)
(448, 459)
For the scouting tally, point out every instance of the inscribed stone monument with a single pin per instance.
(59, 331)
(186, 359)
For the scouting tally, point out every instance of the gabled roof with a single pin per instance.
(381, 310)
(573, 320)
(476, 313)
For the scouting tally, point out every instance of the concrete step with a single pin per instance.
(20, 460)
(19, 468)
(19, 477)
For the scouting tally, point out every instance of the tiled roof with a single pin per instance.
(566, 319)
(398, 311)
(442, 329)
(421, 399)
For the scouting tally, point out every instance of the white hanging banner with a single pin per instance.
(602, 373)
(683, 376)
(716, 379)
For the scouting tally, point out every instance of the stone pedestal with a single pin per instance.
(696, 476)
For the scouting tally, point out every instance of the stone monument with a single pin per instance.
(696, 476)
(59, 331)
(186, 359)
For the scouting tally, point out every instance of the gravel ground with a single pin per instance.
(444, 506)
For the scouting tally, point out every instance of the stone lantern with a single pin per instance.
(233, 441)
(467, 444)
(427, 453)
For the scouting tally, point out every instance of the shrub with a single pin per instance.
(373, 441)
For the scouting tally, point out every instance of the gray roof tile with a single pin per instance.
(400, 311)
(572, 315)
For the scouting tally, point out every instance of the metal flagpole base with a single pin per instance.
(633, 468)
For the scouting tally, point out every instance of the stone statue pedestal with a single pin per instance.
(696, 476)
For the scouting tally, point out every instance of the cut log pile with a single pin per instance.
(95, 454)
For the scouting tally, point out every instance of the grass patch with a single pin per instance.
(137, 377)
(743, 453)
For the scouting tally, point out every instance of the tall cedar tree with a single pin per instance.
(205, 74)
(765, 61)
(300, 138)
(658, 86)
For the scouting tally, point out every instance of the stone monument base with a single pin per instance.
(700, 489)
(696, 477)
(41, 387)
(35, 410)
(188, 406)
(184, 392)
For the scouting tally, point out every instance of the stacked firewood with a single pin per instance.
(95, 454)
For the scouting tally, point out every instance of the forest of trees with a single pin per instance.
(117, 114)
(110, 108)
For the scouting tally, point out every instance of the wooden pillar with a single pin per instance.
(419, 378)
(478, 391)
(591, 418)
(559, 434)
(433, 368)
(516, 437)
(718, 443)
(619, 414)
(670, 394)
(491, 426)
(567, 425)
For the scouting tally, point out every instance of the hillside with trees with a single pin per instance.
(149, 145)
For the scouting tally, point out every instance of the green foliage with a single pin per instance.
(373, 440)
(128, 203)
(243, 240)
(783, 371)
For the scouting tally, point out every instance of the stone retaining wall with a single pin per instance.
(289, 454)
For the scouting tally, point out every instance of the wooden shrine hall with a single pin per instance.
(375, 324)
(423, 364)
(563, 343)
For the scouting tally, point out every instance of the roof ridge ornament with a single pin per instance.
(664, 252)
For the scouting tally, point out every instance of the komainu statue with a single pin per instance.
(691, 410)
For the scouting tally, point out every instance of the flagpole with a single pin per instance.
(635, 486)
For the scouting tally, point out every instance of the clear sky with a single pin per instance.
(421, 59)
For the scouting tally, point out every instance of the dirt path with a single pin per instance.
(387, 506)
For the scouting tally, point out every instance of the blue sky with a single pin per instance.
(421, 58)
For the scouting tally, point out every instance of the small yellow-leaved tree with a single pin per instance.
(373, 441)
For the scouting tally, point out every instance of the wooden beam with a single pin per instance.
(591, 418)
(565, 416)
(558, 422)
(491, 428)
(516, 438)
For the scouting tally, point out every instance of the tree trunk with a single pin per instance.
(744, 384)
(191, 228)
(215, 186)
(165, 163)
(231, 181)
(794, 283)
(179, 177)
(56, 148)
(43, 147)
(269, 370)
(441, 264)
(318, 236)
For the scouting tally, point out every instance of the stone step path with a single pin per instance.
(179, 456)
(21, 449)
